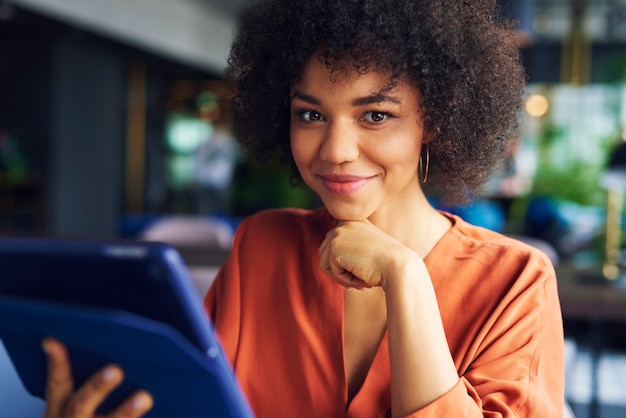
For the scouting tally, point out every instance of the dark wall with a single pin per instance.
(87, 141)
(62, 102)
(63, 95)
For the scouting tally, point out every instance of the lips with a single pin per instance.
(342, 185)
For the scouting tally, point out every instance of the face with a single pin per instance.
(357, 143)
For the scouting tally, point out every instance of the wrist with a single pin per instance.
(405, 272)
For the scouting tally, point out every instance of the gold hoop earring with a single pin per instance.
(423, 168)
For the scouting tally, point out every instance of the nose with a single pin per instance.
(340, 143)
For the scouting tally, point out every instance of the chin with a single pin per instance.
(348, 212)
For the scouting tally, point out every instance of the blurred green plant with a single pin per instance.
(578, 183)
(614, 69)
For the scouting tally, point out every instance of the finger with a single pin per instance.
(87, 399)
(135, 406)
(60, 383)
(330, 266)
(347, 279)
(357, 283)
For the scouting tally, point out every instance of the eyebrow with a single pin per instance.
(375, 98)
(306, 98)
(361, 101)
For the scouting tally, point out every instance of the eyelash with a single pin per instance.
(301, 115)
(385, 116)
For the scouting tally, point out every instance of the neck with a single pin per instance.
(416, 224)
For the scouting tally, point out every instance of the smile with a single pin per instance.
(344, 184)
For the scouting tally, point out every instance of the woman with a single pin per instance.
(378, 304)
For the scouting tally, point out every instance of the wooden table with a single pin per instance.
(586, 296)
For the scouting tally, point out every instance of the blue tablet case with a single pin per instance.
(126, 303)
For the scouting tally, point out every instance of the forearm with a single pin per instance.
(422, 368)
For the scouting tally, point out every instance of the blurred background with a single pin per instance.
(114, 123)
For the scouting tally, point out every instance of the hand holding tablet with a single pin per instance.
(126, 303)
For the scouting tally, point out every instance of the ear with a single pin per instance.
(427, 137)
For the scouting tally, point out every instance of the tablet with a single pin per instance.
(130, 303)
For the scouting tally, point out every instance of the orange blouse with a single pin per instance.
(279, 318)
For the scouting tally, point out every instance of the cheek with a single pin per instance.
(301, 152)
(409, 152)
(399, 154)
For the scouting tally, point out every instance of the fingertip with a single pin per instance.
(45, 346)
(111, 373)
(51, 346)
(142, 401)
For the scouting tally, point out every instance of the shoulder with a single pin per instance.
(499, 254)
(494, 277)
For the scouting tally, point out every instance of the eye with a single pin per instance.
(310, 116)
(375, 117)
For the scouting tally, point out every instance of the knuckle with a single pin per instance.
(59, 383)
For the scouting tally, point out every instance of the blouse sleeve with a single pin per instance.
(223, 300)
(517, 370)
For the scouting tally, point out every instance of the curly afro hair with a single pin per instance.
(459, 55)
